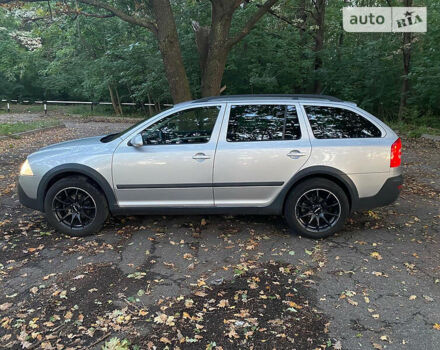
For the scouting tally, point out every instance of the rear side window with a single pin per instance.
(249, 123)
(339, 123)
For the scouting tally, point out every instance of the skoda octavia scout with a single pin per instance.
(312, 159)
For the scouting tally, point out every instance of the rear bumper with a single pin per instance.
(389, 192)
(32, 203)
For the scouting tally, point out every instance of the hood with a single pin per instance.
(85, 142)
(74, 150)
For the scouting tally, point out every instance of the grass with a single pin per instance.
(417, 128)
(412, 130)
(415, 124)
(13, 128)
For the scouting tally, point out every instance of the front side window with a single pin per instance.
(263, 123)
(185, 127)
(339, 123)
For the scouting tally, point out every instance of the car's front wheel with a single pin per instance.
(316, 208)
(75, 206)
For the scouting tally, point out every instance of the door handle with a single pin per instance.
(200, 156)
(295, 154)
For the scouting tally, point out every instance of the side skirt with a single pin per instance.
(270, 210)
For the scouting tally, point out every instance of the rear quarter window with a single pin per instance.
(339, 123)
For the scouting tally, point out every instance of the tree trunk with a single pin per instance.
(214, 43)
(118, 101)
(319, 17)
(112, 97)
(406, 53)
(169, 47)
(212, 46)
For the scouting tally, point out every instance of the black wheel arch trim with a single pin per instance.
(315, 171)
(79, 169)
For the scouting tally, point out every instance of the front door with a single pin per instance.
(260, 147)
(174, 166)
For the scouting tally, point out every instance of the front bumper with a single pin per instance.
(389, 192)
(24, 199)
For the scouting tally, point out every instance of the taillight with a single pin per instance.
(396, 153)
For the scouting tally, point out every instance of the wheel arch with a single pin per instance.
(329, 173)
(65, 170)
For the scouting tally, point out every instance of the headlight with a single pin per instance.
(26, 169)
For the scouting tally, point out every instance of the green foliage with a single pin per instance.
(13, 128)
(82, 57)
(415, 123)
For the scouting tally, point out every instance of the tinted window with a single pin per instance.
(339, 123)
(263, 123)
(189, 126)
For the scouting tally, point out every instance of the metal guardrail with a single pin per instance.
(89, 103)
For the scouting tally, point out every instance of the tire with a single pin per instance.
(68, 206)
(316, 208)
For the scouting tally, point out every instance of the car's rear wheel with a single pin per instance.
(75, 206)
(316, 208)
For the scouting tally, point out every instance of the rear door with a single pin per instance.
(261, 146)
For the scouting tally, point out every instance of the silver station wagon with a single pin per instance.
(312, 159)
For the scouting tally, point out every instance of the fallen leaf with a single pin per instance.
(165, 340)
(384, 338)
(352, 302)
(223, 303)
(376, 255)
(200, 293)
(5, 306)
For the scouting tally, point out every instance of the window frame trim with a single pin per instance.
(372, 119)
(299, 113)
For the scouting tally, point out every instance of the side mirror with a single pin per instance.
(137, 141)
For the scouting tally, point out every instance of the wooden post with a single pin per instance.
(45, 107)
(9, 109)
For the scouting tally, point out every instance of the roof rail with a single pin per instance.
(282, 96)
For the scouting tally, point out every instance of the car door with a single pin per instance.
(174, 166)
(261, 146)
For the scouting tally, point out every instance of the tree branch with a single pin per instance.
(251, 23)
(103, 5)
(121, 14)
(86, 14)
(284, 19)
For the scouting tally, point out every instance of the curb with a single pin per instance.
(23, 133)
(431, 137)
